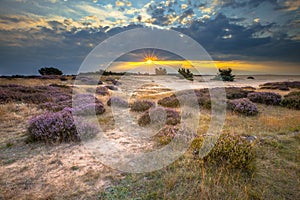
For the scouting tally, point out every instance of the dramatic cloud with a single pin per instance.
(63, 32)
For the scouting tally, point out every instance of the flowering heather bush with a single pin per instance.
(87, 104)
(159, 115)
(89, 109)
(268, 98)
(232, 150)
(102, 91)
(170, 101)
(141, 105)
(117, 101)
(111, 87)
(58, 127)
(292, 100)
(243, 106)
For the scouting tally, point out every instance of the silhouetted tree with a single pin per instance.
(160, 71)
(186, 73)
(225, 75)
(50, 71)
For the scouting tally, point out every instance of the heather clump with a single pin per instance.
(170, 101)
(141, 105)
(57, 127)
(158, 116)
(291, 100)
(117, 101)
(102, 91)
(242, 106)
(268, 98)
(231, 150)
(236, 92)
(87, 104)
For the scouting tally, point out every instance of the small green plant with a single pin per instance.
(225, 75)
(186, 73)
(74, 168)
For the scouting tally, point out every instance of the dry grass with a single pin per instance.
(34, 81)
(274, 174)
(68, 171)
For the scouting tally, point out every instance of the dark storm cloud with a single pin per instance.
(221, 36)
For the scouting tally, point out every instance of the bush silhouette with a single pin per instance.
(50, 71)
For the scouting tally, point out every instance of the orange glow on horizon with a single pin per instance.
(208, 67)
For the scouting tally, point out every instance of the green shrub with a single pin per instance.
(232, 150)
(291, 100)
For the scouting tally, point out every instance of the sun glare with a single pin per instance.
(149, 58)
(149, 61)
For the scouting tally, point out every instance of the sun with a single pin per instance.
(149, 61)
(150, 58)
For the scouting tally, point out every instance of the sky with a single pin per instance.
(251, 36)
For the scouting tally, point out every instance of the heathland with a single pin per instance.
(42, 155)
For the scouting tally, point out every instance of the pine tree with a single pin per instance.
(186, 73)
(225, 75)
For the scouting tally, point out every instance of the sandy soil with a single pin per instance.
(38, 171)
